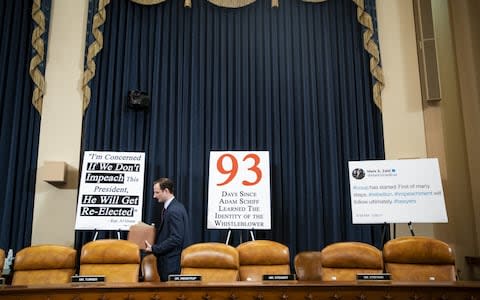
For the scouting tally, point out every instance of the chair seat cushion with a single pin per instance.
(55, 276)
(419, 272)
(112, 272)
(213, 275)
(345, 274)
(255, 273)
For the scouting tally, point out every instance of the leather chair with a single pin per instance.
(117, 260)
(44, 264)
(149, 268)
(419, 259)
(342, 261)
(2, 258)
(215, 262)
(262, 257)
(308, 265)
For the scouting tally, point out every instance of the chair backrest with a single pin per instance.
(262, 257)
(149, 268)
(44, 264)
(2, 258)
(215, 262)
(308, 265)
(344, 260)
(117, 260)
(419, 258)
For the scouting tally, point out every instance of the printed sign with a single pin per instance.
(110, 195)
(239, 190)
(396, 191)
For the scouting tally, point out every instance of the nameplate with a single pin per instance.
(184, 278)
(374, 276)
(88, 278)
(275, 277)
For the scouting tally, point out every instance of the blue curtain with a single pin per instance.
(20, 124)
(294, 81)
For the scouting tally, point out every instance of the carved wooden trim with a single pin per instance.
(233, 297)
(259, 297)
(206, 297)
(336, 297)
(155, 297)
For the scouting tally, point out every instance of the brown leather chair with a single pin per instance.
(262, 257)
(344, 260)
(149, 268)
(215, 262)
(308, 265)
(419, 258)
(117, 260)
(2, 258)
(44, 264)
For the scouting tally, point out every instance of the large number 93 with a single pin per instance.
(233, 170)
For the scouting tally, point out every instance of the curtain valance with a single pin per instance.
(221, 3)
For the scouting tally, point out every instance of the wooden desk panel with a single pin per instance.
(249, 291)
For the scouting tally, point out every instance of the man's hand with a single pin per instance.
(149, 246)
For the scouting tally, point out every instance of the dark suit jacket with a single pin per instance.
(172, 237)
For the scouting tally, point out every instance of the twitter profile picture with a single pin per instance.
(358, 173)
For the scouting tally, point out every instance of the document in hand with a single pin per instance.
(141, 232)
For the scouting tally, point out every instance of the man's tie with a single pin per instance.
(163, 213)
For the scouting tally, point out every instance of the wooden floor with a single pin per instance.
(460, 290)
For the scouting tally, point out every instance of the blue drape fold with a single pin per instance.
(19, 123)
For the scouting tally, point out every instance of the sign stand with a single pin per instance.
(384, 233)
(228, 237)
(95, 236)
(229, 233)
(410, 226)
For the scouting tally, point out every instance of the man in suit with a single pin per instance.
(174, 231)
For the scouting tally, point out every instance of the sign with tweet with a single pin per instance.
(396, 191)
(239, 190)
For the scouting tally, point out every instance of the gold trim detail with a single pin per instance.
(372, 48)
(93, 49)
(37, 43)
(231, 3)
(148, 2)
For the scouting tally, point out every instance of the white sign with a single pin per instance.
(396, 191)
(110, 196)
(239, 190)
